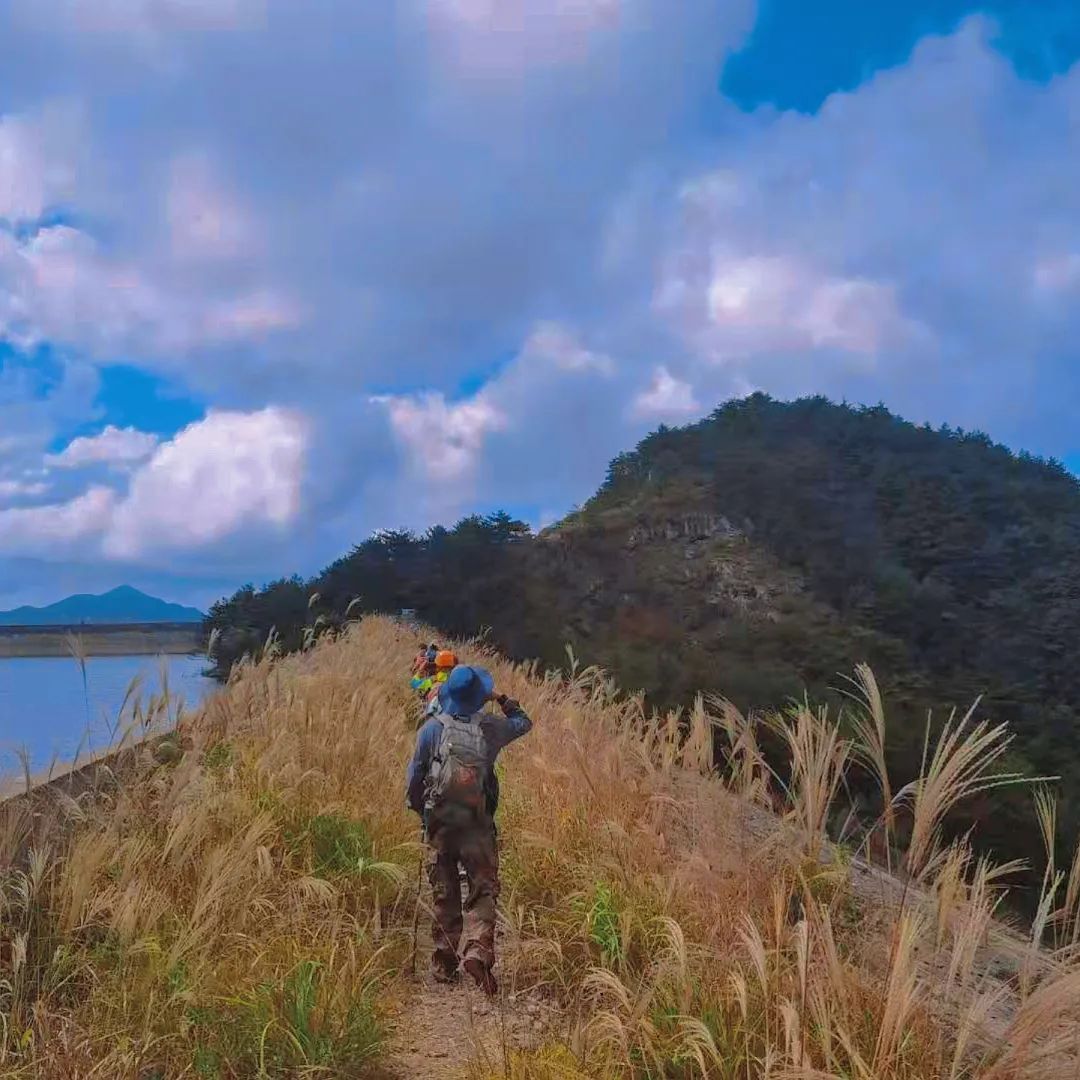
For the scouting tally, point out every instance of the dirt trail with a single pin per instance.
(444, 1031)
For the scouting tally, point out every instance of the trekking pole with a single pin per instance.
(416, 906)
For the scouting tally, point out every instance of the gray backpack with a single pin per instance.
(460, 765)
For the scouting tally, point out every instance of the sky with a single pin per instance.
(275, 274)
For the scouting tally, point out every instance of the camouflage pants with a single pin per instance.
(469, 931)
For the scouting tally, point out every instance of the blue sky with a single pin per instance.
(799, 53)
(275, 274)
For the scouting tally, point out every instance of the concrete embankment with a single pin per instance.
(130, 639)
(89, 772)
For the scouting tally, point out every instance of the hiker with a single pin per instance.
(451, 785)
(424, 657)
(427, 681)
(419, 660)
(445, 662)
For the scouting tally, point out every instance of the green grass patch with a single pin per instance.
(219, 756)
(298, 1026)
(337, 846)
(602, 912)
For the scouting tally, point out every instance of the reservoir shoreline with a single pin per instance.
(121, 639)
(82, 774)
(55, 712)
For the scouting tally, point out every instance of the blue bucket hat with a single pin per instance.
(466, 690)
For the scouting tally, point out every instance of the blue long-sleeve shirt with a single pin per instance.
(499, 731)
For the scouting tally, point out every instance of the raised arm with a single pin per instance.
(514, 722)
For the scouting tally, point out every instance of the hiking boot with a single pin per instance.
(482, 975)
(443, 973)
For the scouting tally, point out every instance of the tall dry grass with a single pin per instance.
(222, 902)
(242, 904)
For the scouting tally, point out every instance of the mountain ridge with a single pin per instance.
(755, 554)
(121, 605)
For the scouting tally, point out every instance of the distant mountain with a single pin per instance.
(120, 605)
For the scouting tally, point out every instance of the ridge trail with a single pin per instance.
(257, 885)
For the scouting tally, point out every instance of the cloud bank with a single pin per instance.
(424, 257)
(232, 475)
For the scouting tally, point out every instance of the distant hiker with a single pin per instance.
(420, 659)
(445, 662)
(433, 674)
(451, 785)
(424, 663)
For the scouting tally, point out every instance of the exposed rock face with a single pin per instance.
(738, 592)
(670, 597)
(692, 527)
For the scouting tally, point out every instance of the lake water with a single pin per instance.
(45, 708)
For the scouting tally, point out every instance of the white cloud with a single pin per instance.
(63, 287)
(732, 306)
(35, 405)
(666, 398)
(14, 489)
(555, 343)
(376, 225)
(1057, 273)
(223, 474)
(909, 242)
(450, 446)
(252, 317)
(206, 221)
(506, 36)
(111, 446)
(37, 160)
(22, 181)
(56, 529)
(442, 439)
(142, 19)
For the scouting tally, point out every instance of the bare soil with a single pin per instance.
(445, 1031)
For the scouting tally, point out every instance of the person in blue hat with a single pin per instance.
(451, 784)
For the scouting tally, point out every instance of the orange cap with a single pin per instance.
(446, 659)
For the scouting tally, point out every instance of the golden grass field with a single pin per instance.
(237, 900)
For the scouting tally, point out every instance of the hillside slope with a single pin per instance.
(120, 605)
(241, 903)
(950, 562)
(757, 554)
(963, 551)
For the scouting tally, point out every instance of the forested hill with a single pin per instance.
(758, 553)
